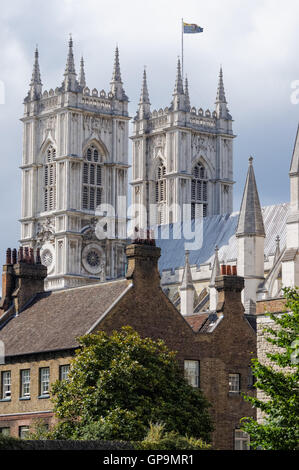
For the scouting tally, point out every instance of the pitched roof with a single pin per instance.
(216, 230)
(54, 320)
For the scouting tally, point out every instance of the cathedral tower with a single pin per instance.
(182, 156)
(74, 169)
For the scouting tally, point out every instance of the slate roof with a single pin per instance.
(54, 320)
(217, 230)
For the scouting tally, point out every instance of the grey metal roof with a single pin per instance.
(217, 230)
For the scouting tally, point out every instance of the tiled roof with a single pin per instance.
(196, 321)
(54, 320)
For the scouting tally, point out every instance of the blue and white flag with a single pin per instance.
(192, 28)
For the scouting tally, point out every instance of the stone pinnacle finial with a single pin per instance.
(36, 83)
(82, 80)
(70, 80)
(116, 75)
(187, 98)
(178, 88)
(215, 268)
(220, 98)
(250, 217)
(187, 282)
(144, 96)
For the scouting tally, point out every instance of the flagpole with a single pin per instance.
(182, 48)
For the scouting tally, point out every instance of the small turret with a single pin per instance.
(178, 102)
(221, 103)
(186, 289)
(116, 82)
(82, 80)
(36, 83)
(70, 82)
(144, 102)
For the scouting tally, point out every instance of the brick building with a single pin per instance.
(39, 331)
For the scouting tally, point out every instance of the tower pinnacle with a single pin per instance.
(82, 80)
(70, 76)
(116, 82)
(221, 103)
(144, 102)
(36, 83)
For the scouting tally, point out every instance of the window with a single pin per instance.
(25, 383)
(23, 432)
(92, 179)
(251, 378)
(5, 431)
(161, 193)
(64, 371)
(44, 378)
(50, 180)
(6, 384)
(191, 372)
(199, 191)
(242, 440)
(234, 383)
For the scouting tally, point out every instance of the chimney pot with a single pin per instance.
(8, 256)
(234, 270)
(223, 270)
(14, 256)
(228, 270)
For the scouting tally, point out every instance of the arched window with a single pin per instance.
(92, 179)
(199, 191)
(50, 180)
(161, 193)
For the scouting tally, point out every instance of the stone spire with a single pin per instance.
(215, 273)
(186, 288)
(250, 217)
(221, 103)
(82, 80)
(36, 83)
(251, 241)
(144, 102)
(178, 101)
(116, 82)
(70, 76)
(187, 98)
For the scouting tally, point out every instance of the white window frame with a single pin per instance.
(6, 384)
(23, 431)
(44, 377)
(191, 372)
(25, 383)
(241, 440)
(234, 382)
(64, 371)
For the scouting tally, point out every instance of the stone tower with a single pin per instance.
(251, 241)
(182, 156)
(74, 176)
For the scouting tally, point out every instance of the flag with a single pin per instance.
(192, 28)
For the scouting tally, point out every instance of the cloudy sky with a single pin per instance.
(256, 41)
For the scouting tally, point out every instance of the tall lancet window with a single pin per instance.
(161, 193)
(92, 179)
(50, 180)
(199, 191)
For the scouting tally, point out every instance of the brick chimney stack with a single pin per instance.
(229, 286)
(22, 277)
(143, 255)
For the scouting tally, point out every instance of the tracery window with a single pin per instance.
(161, 192)
(92, 179)
(199, 191)
(50, 180)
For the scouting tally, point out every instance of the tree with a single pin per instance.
(279, 382)
(118, 384)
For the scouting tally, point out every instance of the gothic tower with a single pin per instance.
(74, 176)
(182, 156)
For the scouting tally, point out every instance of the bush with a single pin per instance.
(158, 439)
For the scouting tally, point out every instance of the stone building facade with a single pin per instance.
(182, 156)
(74, 169)
(214, 350)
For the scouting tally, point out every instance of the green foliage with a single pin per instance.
(118, 384)
(280, 429)
(38, 431)
(10, 443)
(158, 439)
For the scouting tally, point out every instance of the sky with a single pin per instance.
(255, 41)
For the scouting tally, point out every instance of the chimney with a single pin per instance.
(143, 255)
(23, 277)
(229, 287)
